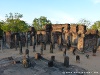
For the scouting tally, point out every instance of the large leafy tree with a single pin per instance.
(14, 24)
(96, 25)
(39, 23)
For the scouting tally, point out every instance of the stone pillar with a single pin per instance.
(41, 48)
(33, 43)
(51, 47)
(53, 40)
(44, 39)
(15, 41)
(52, 58)
(20, 44)
(66, 61)
(74, 38)
(26, 40)
(64, 52)
(37, 56)
(67, 37)
(50, 64)
(59, 43)
(8, 39)
(1, 45)
(80, 44)
(30, 40)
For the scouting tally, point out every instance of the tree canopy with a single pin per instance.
(39, 23)
(96, 25)
(14, 24)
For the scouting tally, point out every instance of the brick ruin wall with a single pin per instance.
(90, 42)
(79, 36)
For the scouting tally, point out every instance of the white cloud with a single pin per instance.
(96, 1)
(60, 17)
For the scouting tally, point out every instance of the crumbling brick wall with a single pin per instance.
(90, 40)
(77, 34)
(73, 28)
(74, 38)
(87, 41)
(63, 28)
(57, 27)
(67, 37)
(81, 29)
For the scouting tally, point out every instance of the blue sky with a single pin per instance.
(58, 11)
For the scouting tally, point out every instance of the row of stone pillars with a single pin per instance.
(20, 43)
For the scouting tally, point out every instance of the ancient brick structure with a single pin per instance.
(60, 27)
(73, 28)
(81, 29)
(42, 32)
(83, 39)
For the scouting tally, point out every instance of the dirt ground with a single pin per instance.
(92, 65)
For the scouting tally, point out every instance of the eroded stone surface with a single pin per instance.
(39, 67)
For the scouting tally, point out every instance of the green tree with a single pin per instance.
(84, 22)
(96, 25)
(39, 23)
(14, 24)
(1, 31)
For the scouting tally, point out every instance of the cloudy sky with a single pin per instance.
(58, 11)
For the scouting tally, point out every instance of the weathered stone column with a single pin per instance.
(52, 58)
(15, 41)
(50, 64)
(26, 40)
(80, 44)
(51, 47)
(31, 40)
(41, 49)
(34, 42)
(20, 45)
(66, 61)
(59, 43)
(1, 44)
